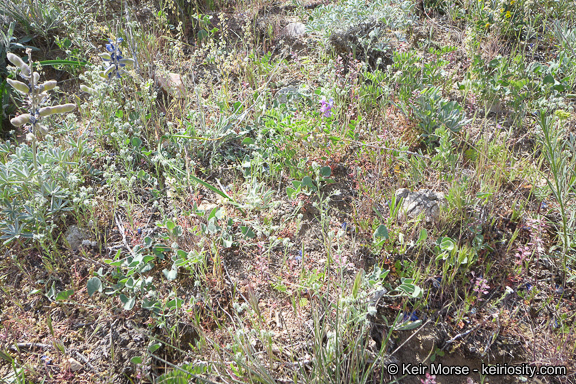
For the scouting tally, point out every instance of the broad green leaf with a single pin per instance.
(128, 302)
(325, 172)
(130, 283)
(64, 295)
(381, 232)
(174, 303)
(170, 225)
(136, 142)
(202, 34)
(423, 236)
(548, 79)
(94, 284)
(170, 274)
(177, 231)
(447, 244)
(248, 232)
(409, 288)
(307, 182)
(213, 213)
(154, 347)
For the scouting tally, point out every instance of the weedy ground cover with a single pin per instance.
(288, 191)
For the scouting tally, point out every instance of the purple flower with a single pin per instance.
(522, 254)
(115, 60)
(299, 257)
(326, 107)
(481, 286)
(110, 46)
(410, 316)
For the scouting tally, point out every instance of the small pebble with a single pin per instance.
(74, 365)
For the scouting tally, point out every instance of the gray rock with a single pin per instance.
(295, 30)
(414, 203)
(285, 93)
(76, 236)
(74, 365)
(88, 243)
(172, 83)
(368, 42)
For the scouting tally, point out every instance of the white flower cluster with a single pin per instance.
(85, 197)
(100, 99)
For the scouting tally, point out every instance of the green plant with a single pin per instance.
(374, 91)
(307, 186)
(445, 158)
(132, 282)
(9, 43)
(36, 195)
(34, 17)
(258, 195)
(454, 257)
(433, 72)
(132, 274)
(36, 96)
(560, 154)
(182, 374)
(406, 68)
(435, 112)
(380, 236)
(329, 18)
(205, 31)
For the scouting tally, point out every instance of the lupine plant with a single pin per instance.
(36, 97)
(115, 63)
(115, 60)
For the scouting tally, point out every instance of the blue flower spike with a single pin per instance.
(114, 59)
(410, 316)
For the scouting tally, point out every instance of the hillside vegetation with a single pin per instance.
(235, 191)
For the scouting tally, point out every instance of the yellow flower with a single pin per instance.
(561, 115)
(487, 25)
(512, 2)
(508, 15)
